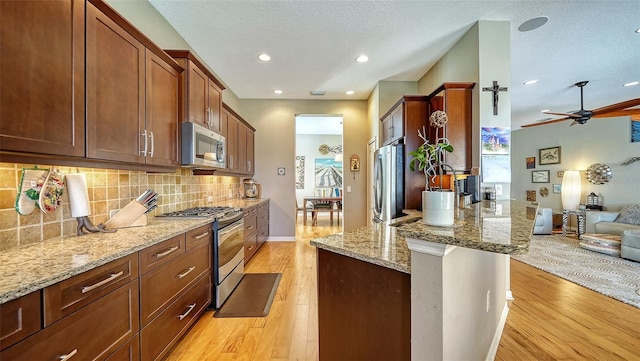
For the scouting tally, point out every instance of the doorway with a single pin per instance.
(318, 172)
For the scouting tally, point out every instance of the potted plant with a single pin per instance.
(437, 203)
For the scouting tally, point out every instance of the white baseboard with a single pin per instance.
(491, 355)
(281, 239)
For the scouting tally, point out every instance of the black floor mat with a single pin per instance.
(252, 297)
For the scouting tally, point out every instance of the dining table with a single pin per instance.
(319, 199)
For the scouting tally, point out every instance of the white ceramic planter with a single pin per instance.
(438, 208)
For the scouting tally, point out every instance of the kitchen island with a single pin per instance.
(423, 292)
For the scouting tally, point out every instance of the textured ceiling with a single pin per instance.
(313, 45)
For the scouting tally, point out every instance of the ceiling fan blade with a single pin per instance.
(617, 106)
(619, 113)
(570, 115)
(544, 122)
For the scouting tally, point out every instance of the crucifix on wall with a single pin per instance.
(495, 89)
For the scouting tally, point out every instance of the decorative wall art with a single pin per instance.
(549, 156)
(496, 169)
(560, 174)
(328, 173)
(544, 191)
(299, 171)
(599, 173)
(531, 162)
(635, 130)
(557, 188)
(531, 195)
(540, 176)
(495, 140)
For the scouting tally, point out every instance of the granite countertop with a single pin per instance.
(378, 244)
(33, 267)
(492, 226)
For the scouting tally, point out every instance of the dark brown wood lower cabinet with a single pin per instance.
(364, 310)
(159, 336)
(91, 333)
(129, 352)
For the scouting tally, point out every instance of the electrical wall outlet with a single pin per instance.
(498, 189)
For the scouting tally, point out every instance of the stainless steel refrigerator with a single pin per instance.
(388, 182)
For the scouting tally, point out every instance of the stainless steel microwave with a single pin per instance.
(202, 147)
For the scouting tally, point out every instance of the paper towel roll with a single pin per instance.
(78, 194)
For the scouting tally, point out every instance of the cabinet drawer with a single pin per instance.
(93, 332)
(161, 253)
(129, 352)
(250, 246)
(199, 236)
(65, 297)
(159, 336)
(19, 318)
(263, 234)
(160, 287)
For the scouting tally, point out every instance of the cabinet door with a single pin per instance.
(224, 117)
(162, 82)
(242, 148)
(250, 152)
(392, 125)
(115, 91)
(197, 88)
(232, 143)
(215, 104)
(42, 72)
(20, 318)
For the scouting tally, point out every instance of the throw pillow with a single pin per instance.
(629, 214)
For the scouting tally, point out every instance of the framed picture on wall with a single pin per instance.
(557, 188)
(540, 176)
(531, 162)
(549, 156)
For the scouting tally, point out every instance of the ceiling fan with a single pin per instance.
(581, 116)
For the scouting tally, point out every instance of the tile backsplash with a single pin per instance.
(109, 190)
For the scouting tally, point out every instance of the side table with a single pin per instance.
(581, 216)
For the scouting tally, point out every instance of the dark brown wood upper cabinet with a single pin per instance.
(162, 111)
(42, 72)
(201, 100)
(455, 99)
(115, 91)
(132, 97)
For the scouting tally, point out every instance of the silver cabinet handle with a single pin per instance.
(144, 151)
(69, 355)
(111, 277)
(190, 308)
(185, 273)
(209, 117)
(202, 235)
(153, 143)
(167, 252)
(249, 165)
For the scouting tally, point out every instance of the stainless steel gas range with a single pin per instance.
(228, 247)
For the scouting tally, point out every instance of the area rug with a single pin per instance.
(252, 297)
(612, 276)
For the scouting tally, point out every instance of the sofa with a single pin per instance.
(544, 221)
(614, 222)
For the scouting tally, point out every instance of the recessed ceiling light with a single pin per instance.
(533, 24)
(278, 91)
(264, 57)
(349, 92)
(632, 83)
(529, 82)
(362, 59)
(638, 30)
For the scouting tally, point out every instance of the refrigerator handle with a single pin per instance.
(377, 186)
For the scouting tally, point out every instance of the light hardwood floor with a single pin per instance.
(550, 319)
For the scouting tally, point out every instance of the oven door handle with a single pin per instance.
(237, 226)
